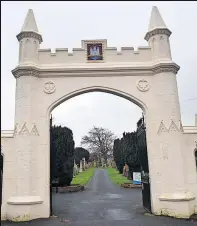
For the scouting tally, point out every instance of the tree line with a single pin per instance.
(125, 152)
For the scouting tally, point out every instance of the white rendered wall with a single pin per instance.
(160, 103)
(146, 77)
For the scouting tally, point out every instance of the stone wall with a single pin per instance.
(9, 183)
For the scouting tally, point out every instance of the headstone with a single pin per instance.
(126, 170)
(75, 169)
(137, 178)
(80, 169)
(113, 164)
(83, 164)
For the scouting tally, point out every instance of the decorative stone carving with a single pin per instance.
(25, 71)
(16, 129)
(181, 127)
(49, 87)
(143, 85)
(34, 131)
(24, 130)
(157, 31)
(29, 34)
(162, 128)
(173, 127)
(174, 68)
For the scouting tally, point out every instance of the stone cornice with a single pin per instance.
(165, 67)
(25, 71)
(157, 31)
(29, 34)
(95, 72)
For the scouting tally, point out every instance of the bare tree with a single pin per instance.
(99, 141)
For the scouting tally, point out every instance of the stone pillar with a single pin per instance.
(168, 174)
(28, 170)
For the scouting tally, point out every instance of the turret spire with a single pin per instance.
(158, 36)
(29, 40)
(156, 20)
(30, 22)
(28, 27)
(156, 24)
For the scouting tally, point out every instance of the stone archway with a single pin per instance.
(104, 89)
(146, 77)
(90, 89)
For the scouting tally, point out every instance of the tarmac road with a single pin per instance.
(102, 203)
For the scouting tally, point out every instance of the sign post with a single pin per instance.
(137, 178)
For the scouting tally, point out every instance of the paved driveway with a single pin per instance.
(102, 204)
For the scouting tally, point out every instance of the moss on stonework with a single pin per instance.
(25, 217)
(168, 213)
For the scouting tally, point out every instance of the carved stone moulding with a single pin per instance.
(177, 197)
(25, 71)
(49, 87)
(165, 67)
(156, 32)
(143, 85)
(31, 70)
(29, 34)
(27, 200)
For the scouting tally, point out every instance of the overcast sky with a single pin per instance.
(65, 24)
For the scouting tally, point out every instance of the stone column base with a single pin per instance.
(177, 205)
(26, 208)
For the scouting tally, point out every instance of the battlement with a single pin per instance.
(79, 55)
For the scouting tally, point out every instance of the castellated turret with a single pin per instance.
(29, 40)
(158, 37)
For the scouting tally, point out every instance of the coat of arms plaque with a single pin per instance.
(94, 52)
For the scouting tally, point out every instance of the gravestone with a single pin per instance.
(81, 169)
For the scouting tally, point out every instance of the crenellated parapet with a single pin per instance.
(79, 55)
(94, 51)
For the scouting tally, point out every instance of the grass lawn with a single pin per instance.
(83, 177)
(116, 177)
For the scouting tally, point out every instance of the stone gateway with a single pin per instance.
(146, 77)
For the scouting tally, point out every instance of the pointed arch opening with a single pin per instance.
(140, 132)
(103, 89)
